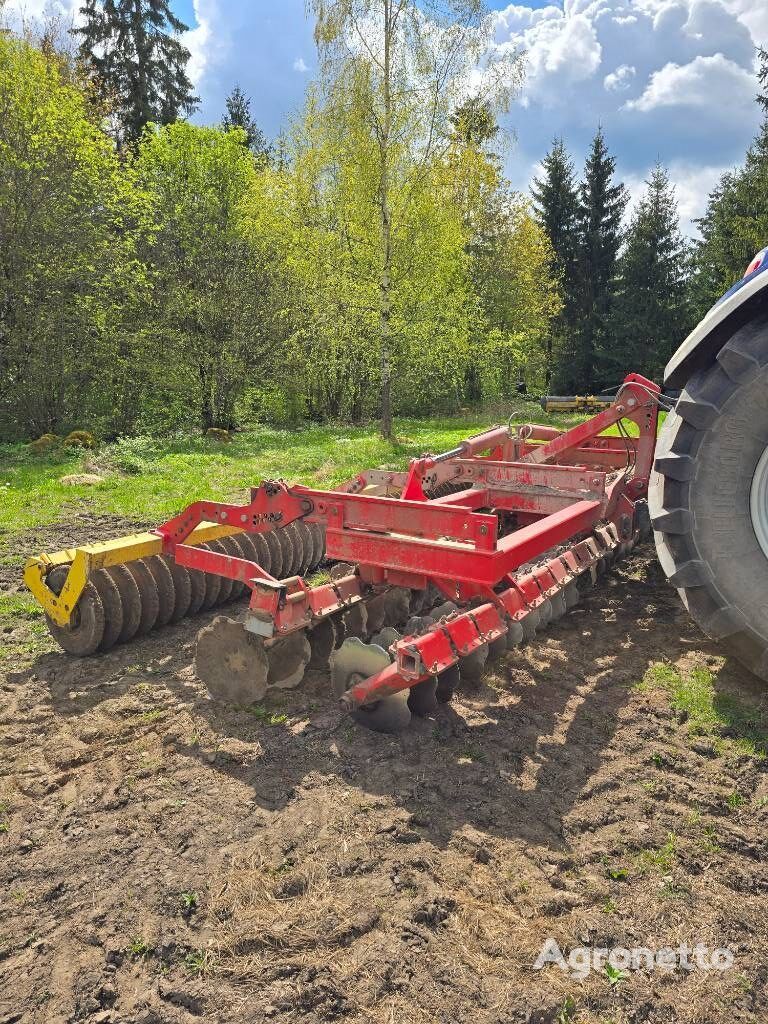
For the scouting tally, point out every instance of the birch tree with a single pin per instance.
(408, 67)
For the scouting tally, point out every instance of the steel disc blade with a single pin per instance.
(231, 662)
(515, 634)
(398, 606)
(355, 661)
(318, 549)
(322, 641)
(198, 590)
(447, 682)
(113, 608)
(386, 638)
(263, 552)
(166, 591)
(355, 620)
(307, 546)
(286, 549)
(297, 543)
(85, 631)
(150, 600)
(275, 554)
(497, 647)
(559, 607)
(225, 582)
(530, 623)
(212, 586)
(232, 547)
(545, 613)
(422, 699)
(182, 588)
(572, 596)
(130, 600)
(389, 715)
(472, 665)
(288, 659)
(376, 611)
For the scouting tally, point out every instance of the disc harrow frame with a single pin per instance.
(503, 525)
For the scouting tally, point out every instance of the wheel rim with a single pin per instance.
(758, 502)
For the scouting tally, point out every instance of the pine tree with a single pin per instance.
(650, 314)
(556, 203)
(601, 208)
(238, 115)
(137, 61)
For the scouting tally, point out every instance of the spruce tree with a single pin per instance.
(601, 207)
(556, 204)
(238, 115)
(650, 313)
(137, 61)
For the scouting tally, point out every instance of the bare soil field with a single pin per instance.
(164, 860)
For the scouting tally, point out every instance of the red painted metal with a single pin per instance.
(564, 498)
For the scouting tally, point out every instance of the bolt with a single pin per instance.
(483, 529)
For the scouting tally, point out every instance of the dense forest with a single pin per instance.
(157, 274)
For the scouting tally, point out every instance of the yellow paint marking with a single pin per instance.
(86, 560)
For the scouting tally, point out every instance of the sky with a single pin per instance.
(669, 80)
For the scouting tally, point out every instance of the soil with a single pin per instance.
(167, 859)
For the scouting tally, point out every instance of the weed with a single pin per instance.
(609, 907)
(735, 800)
(660, 859)
(617, 874)
(614, 975)
(139, 948)
(198, 961)
(188, 901)
(3, 826)
(152, 716)
(567, 1014)
(265, 715)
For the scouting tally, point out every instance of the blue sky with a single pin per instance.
(670, 80)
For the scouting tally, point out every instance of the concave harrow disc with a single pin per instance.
(231, 662)
(355, 661)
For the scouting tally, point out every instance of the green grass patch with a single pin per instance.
(150, 479)
(724, 716)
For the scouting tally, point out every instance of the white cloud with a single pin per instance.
(300, 66)
(639, 68)
(703, 82)
(619, 79)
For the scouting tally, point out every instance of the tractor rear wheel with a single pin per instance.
(708, 497)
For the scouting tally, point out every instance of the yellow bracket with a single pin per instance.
(85, 561)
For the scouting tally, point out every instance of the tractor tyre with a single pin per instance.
(708, 497)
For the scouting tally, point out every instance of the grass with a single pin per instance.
(728, 719)
(150, 479)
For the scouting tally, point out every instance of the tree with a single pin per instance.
(601, 208)
(735, 224)
(138, 62)
(556, 203)
(650, 312)
(209, 325)
(238, 115)
(404, 71)
(70, 283)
